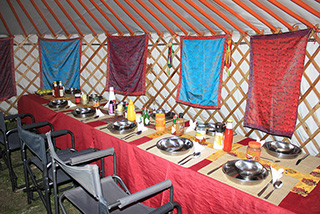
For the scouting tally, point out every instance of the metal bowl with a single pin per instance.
(123, 125)
(83, 112)
(174, 145)
(282, 149)
(248, 167)
(232, 173)
(58, 103)
(118, 127)
(72, 90)
(168, 114)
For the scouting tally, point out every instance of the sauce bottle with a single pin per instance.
(228, 136)
(61, 91)
(180, 125)
(131, 115)
(55, 91)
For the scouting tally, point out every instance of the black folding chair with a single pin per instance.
(37, 144)
(9, 141)
(107, 194)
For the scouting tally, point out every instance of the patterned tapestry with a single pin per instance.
(276, 67)
(202, 60)
(7, 77)
(127, 60)
(60, 60)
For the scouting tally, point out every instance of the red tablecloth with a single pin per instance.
(139, 169)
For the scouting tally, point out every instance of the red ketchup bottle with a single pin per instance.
(228, 136)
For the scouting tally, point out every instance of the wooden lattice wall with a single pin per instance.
(162, 88)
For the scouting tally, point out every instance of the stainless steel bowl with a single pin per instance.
(122, 127)
(248, 167)
(72, 90)
(83, 112)
(174, 145)
(60, 103)
(282, 149)
(232, 173)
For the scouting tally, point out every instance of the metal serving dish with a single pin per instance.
(174, 145)
(233, 173)
(122, 127)
(83, 112)
(281, 149)
(58, 103)
(168, 114)
(72, 91)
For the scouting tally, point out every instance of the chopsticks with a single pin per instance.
(215, 169)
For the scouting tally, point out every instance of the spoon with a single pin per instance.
(195, 155)
(131, 135)
(276, 185)
(186, 157)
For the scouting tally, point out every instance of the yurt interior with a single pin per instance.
(255, 62)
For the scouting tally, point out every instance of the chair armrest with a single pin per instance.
(167, 207)
(31, 126)
(159, 187)
(21, 115)
(91, 156)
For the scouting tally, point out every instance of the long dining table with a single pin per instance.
(196, 191)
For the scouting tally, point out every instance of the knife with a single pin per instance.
(215, 169)
(302, 159)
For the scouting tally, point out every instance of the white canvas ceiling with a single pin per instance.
(24, 17)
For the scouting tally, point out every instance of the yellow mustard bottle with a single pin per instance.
(131, 115)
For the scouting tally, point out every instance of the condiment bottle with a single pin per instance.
(96, 101)
(146, 119)
(201, 134)
(112, 97)
(160, 121)
(131, 115)
(254, 150)
(174, 125)
(84, 99)
(218, 138)
(111, 108)
(61, 91)
(228, 136)
(180, 125)
(55, 91)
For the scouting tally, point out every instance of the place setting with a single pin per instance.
(179, 150)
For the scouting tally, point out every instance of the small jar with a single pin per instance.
(201, 134)
(254, 150)
(77, 98)
(96, 102)
(160, 122)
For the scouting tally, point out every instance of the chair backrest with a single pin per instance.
(33, 141)
(87, 176)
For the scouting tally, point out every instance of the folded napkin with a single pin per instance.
(141, 126)
(71, 104)
(192, 126)
(99, 113)
(276, 174)
(197, 147)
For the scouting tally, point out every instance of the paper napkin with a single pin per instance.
(99, 113)
(276, 174)
(192, 126)
(70, 104)
(197, 147)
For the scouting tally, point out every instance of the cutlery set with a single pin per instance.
(131, 135)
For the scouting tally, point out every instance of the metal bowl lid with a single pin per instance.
(123, 124)
(58, 103)
(248, 167)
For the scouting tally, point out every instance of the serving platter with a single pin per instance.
(281, 149)
(168, 115)
(58, 103)
(245, 172)
(122, 127)
(83, 112)
(174, 146)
